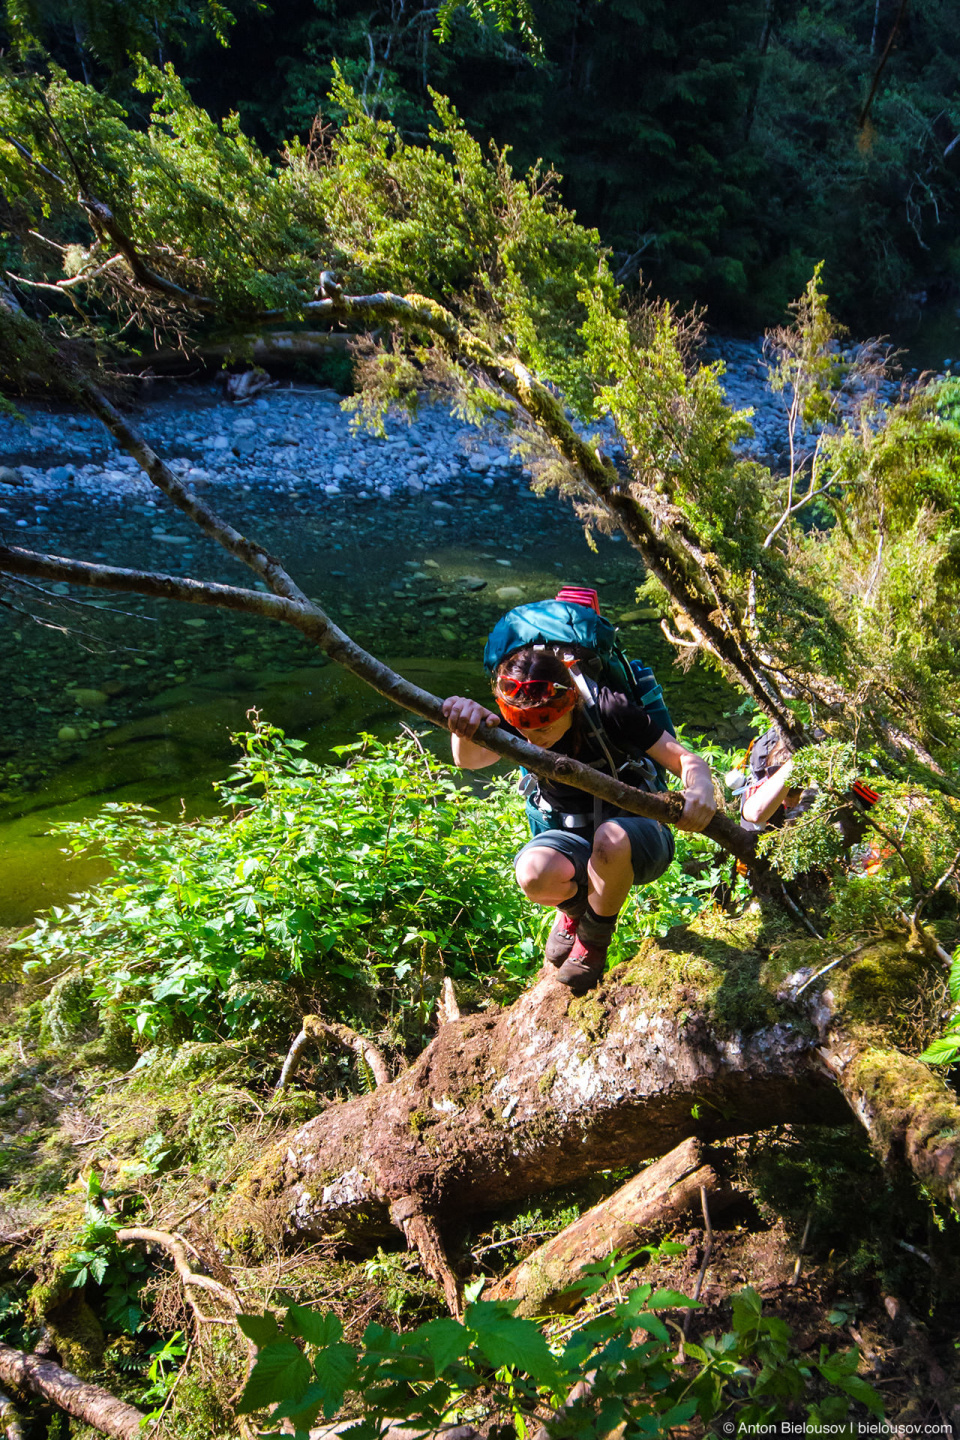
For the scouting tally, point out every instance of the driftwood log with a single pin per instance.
(89, 1403)
(546, 1280)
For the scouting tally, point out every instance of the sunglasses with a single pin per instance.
(529, 692)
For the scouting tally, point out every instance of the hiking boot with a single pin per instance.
(561, 938)
(583, 968)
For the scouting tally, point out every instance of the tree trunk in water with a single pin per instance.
(659, 1195)
(86, 1402)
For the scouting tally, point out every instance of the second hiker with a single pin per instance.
(584, 855)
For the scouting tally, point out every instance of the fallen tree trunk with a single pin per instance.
(659, 1195)
(511, 1103)
(86, 1402)
(258, 347)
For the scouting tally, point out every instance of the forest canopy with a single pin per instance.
(720, 152)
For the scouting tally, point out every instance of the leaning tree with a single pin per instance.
(826, 592)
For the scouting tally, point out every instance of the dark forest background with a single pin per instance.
(721, 147)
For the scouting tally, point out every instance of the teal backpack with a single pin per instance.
(578, 624)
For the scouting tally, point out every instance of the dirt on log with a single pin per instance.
(509, 1103)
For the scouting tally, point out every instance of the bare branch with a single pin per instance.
(312, 622)
(189, 1277)
(60, 285)
(26, 154)
(104, 222)
(10, 1418)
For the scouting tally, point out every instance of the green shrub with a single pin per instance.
(333, 882)
(494, 1363)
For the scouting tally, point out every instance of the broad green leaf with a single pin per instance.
(678, 1414)
(506, 1340)
(444, 1341)
(942, 1052)
(311, 1326)
(858, 1389)
(282, 1372)
(654, 1326)
(672, 1300)
(954, 981)
(335, 1368)
(261, 1329)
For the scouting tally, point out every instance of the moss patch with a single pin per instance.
(590, 1016)
(729, 970)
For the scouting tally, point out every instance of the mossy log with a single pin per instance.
(700, 1036)
(657, 1197)
(514, 1102)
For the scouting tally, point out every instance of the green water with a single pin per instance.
(170, 760)
(163, 687)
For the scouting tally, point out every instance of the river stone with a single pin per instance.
(447, 633)
(66, 734)
(632, 617)
(10, 477)
(88, 699)
(509, 593)
(472, 582)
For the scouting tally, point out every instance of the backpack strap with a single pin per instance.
(590, 691)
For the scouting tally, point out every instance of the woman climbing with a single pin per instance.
(581, 861)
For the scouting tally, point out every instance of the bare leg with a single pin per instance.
(546, 877)
(610, 869)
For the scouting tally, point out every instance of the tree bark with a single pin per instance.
(510, 1103)
(86, 1402)
(659, 1195)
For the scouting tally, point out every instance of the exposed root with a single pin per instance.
(190, 1279)
(423, 1234)
(447, 1008)
(314, 1028)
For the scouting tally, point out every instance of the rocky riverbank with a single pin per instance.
(297, 440)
